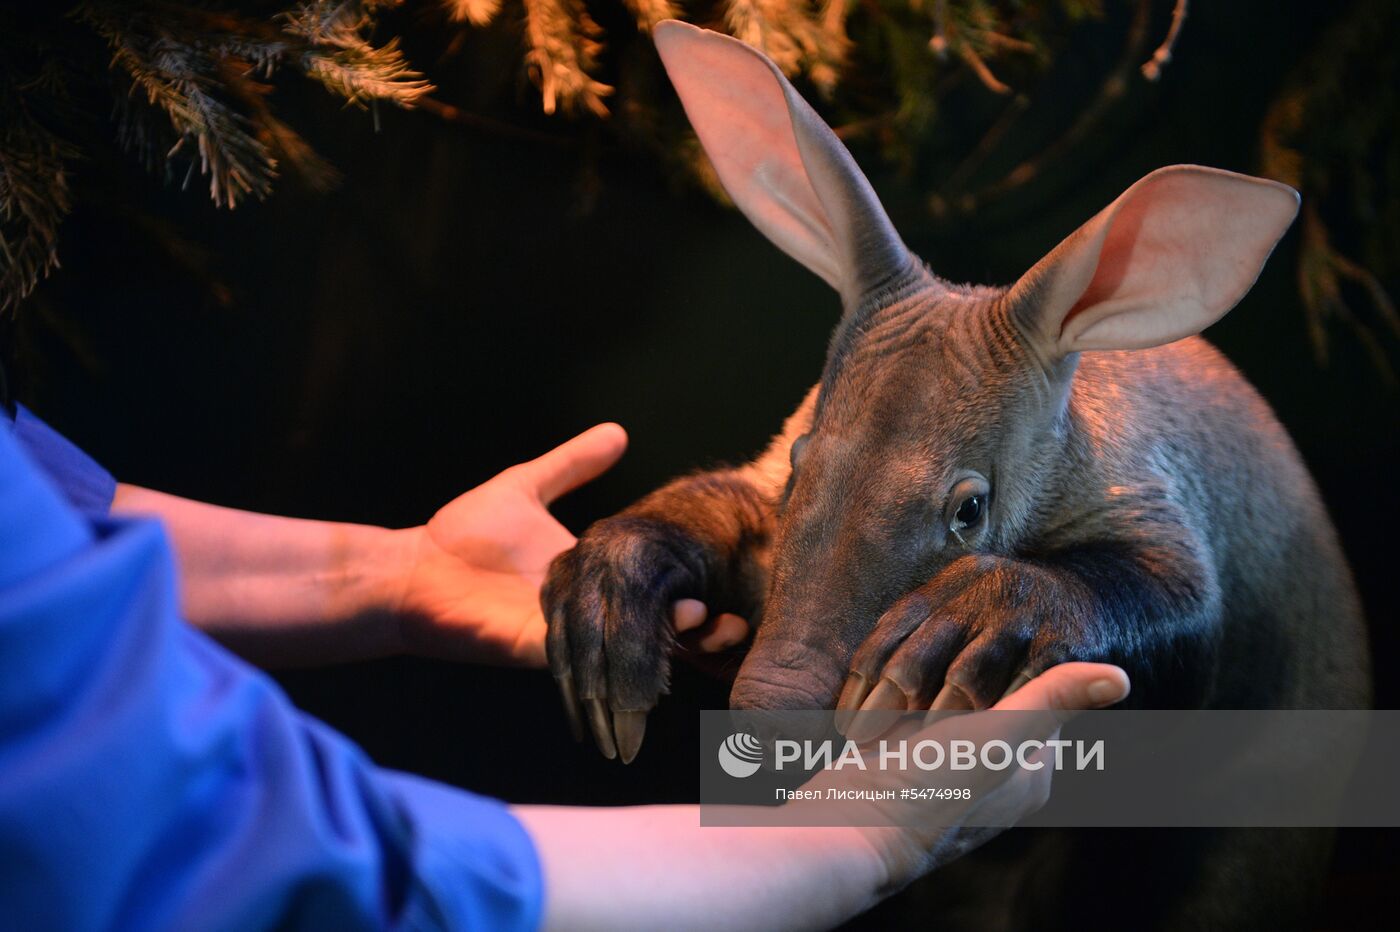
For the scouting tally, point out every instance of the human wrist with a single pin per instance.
(872, 862)
(374, 580)
(897, 858)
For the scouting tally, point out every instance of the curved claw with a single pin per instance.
(879, 712)
(852, 695)
(950, 698)
(570, 696)
(602, 727)
(1021, 679)
(629, 728)
(886, 695)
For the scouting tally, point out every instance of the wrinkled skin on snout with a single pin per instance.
(876, 571)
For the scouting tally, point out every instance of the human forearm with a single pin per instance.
(658, 867)
(655, 867)
(278, 590)
(464, 586)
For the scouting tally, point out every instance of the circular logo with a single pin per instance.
(740, 755)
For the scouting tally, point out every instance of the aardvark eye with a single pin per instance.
(970, 511)
(967, 506)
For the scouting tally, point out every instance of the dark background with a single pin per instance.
(466, 299)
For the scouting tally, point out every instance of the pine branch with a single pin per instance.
(476, 12)
(1311, 139)
(1113, 89)
(563, 52)
(1152, 68)
(291, 149)
(34, 199)
(337, 54)
(193, 65)
(650, 12)
(793, 35)
(179, 79)
(191, 93)
(195, 90)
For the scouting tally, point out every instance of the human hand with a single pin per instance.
(472, 584)
(912, 846)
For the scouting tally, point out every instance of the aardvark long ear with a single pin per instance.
(784, 167)
(1164, 261)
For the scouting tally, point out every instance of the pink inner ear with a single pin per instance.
(1114, 259)
(1174, 253)
(737, 106)
(782, 165)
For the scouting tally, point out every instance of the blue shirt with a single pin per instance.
(150, 779)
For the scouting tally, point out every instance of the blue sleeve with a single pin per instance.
(87, 486)
(149, 779)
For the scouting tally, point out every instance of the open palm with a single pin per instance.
(473, 592)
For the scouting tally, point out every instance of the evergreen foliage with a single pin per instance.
(186, 87)
(187, 81)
